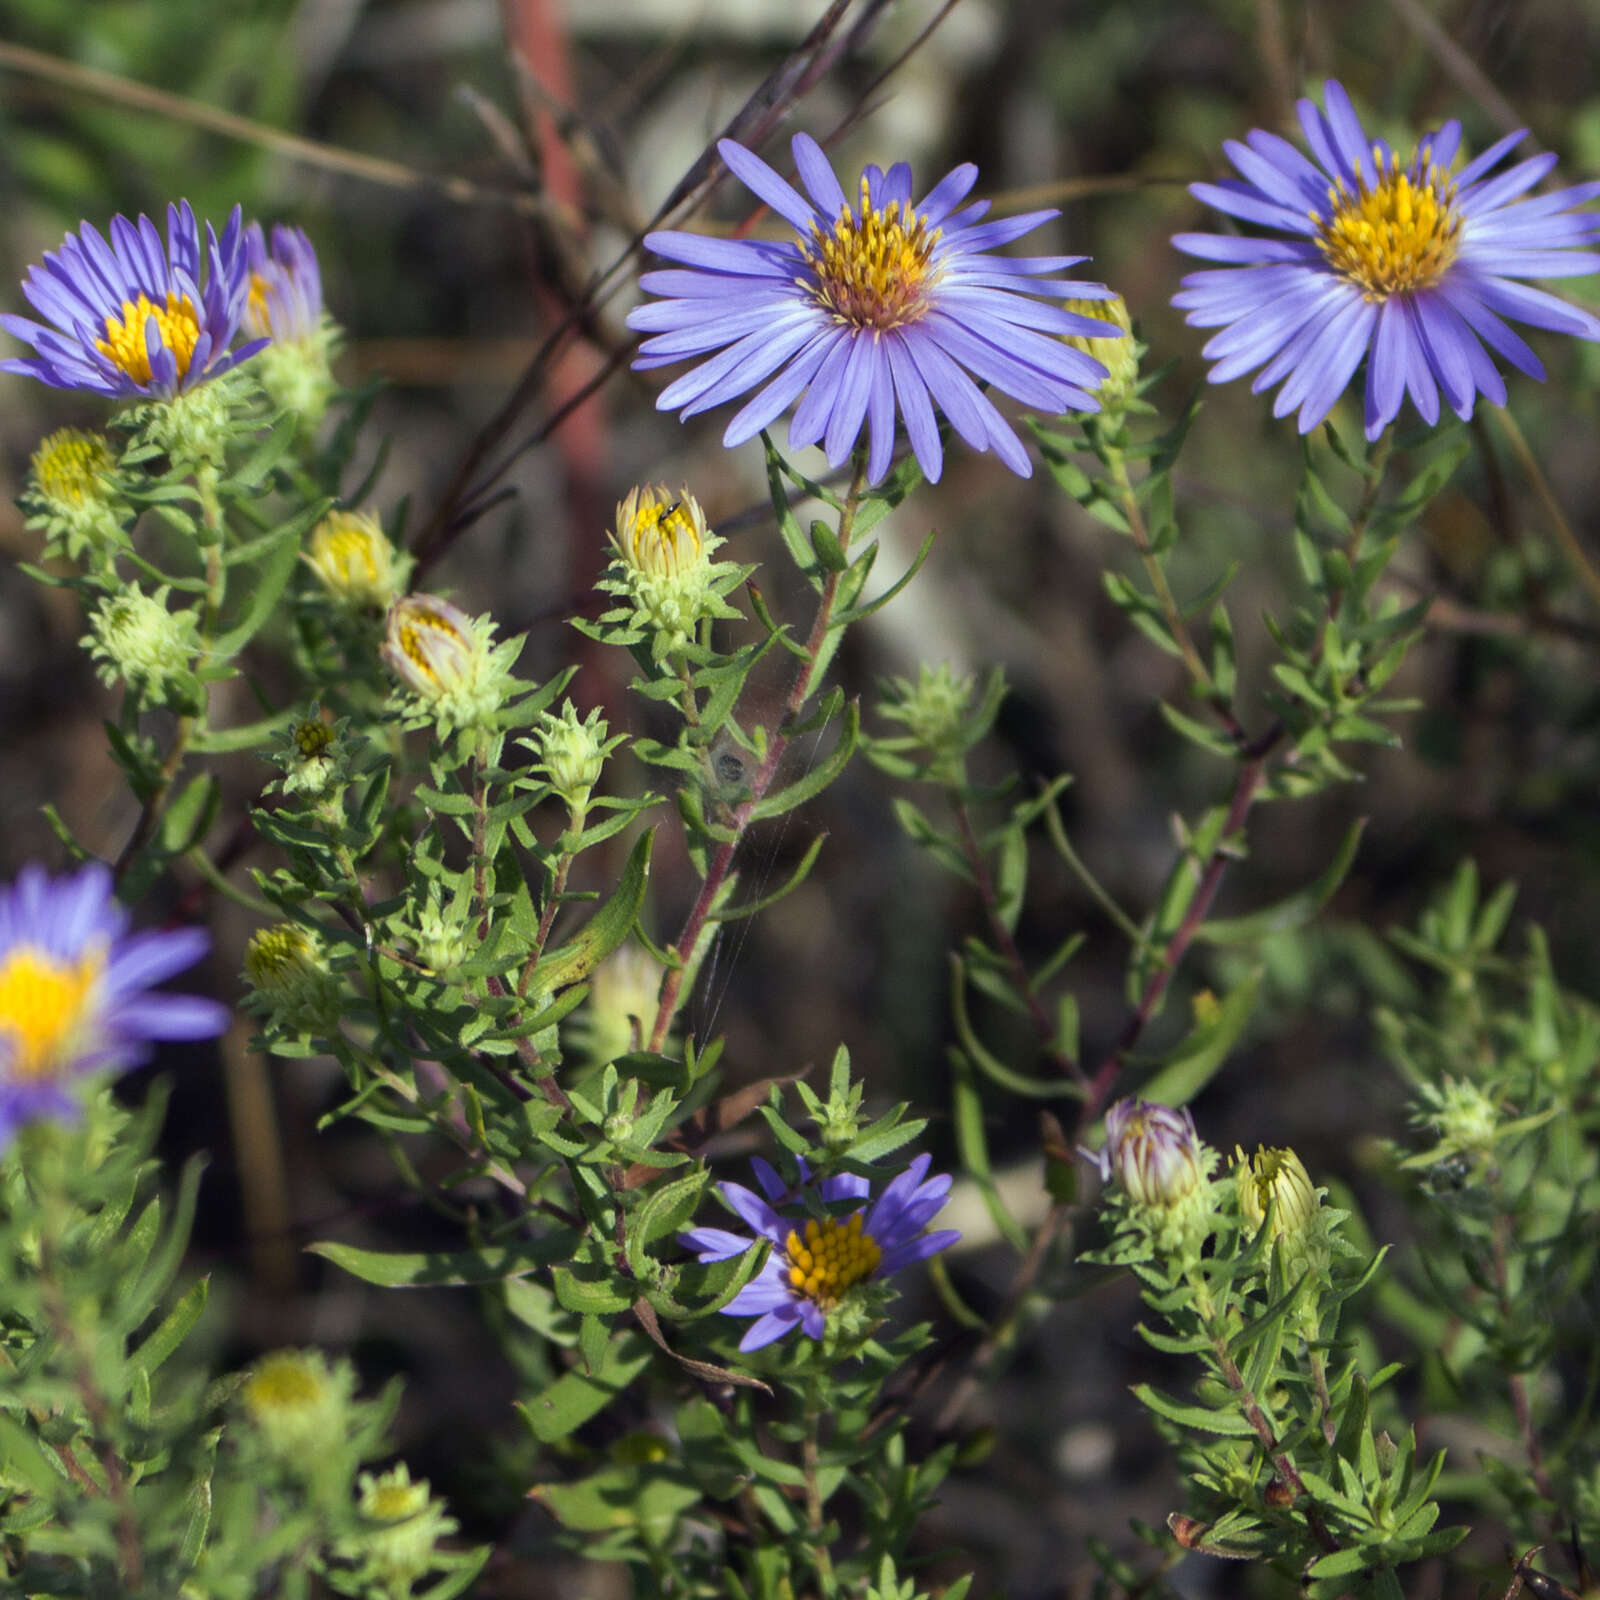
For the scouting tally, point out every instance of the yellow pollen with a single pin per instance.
(873, 270)
(663, 540)
(1397, 234)
(46, 1011)
(124, 343)
(829, 1258)
(68, 463)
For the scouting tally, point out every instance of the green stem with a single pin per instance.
(810, 1452)
(684, 945)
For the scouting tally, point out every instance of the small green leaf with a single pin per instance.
(577, 1396)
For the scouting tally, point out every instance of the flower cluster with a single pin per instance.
(816, 1263)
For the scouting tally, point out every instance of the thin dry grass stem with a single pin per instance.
(137, 96)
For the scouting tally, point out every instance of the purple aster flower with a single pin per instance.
(75, 991)
(880, 306)
(131, 319)
(285, 285)
(814, 1263)
(1410, 266)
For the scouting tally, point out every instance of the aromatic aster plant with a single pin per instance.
(435, 842)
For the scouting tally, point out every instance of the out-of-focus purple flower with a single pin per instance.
(131, 319)
(814, 1264)
(1408, 265)
(880, 306)
(285, 285)
(1153, 1152)
(75, 992)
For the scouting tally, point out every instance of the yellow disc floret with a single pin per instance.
(874, 268)
(124, 343)
(47, 1007)
(661, 534)
(831, 1258)
(1397, 234)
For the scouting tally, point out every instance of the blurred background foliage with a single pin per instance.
(573, 121)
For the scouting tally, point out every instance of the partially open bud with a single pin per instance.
(448, 660)
(404, 1525)
(355, 561)
(664, 566)
(1153, 1152)
(1276, 1181)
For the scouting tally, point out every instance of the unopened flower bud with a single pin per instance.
(448, 660)
(406, 1524)
(1466, 1118)
(70, 493)
(444, 936)
(1275, 1175)
(1118, 355)
(1153, 1152)
(934, 712)
(312, 758)
(136, 639)
(286, 968)
(355, 562)
(571, 752)
(298, 1405)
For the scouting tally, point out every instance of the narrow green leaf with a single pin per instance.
(577, 1396)
(820, 775)
(1297, 909)
(1227, 1423)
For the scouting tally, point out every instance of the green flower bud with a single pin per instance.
(1119, 356)
(136, 639)
(1467, 1119)
(298, 1406)
(313, 758)
(623, 994)
(71, 494)
(934, 712)
(355, 561)
(405, 1526)
(571, 753)
(457, 676)
(292, 982)
(1277, 1180)
(443, 937)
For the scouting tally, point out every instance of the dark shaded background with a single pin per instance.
(1127, 99)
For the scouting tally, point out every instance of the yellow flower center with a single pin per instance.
(394, 1502)
(663, 540)
(68, 463)
(46, 1010)
(831, 1258)
(285, 1383)
(124, 343)
(278, 957)
(1399, 234)
(872, 270)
